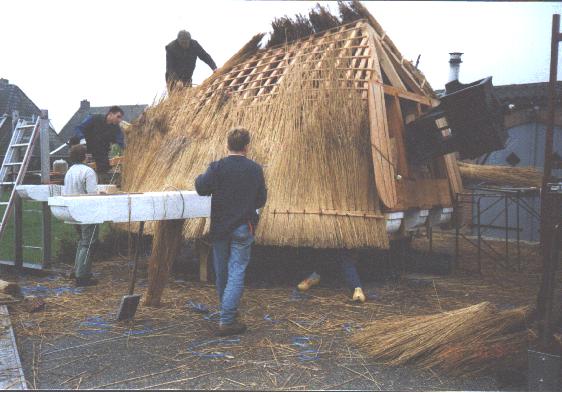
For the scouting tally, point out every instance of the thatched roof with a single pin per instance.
(316, 111)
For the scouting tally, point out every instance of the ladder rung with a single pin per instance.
(13, 163)
(20, 145)
(4, 203)
(27, 126)
(7, 183)
(33, 247)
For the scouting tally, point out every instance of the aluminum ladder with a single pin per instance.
(14, 166)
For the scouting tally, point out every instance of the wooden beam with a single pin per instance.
(388, 68)
(406, 76)
(391, 90)
(396, 123)
(383, 166)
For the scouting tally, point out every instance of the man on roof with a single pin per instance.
(181, 55)
(100, 131)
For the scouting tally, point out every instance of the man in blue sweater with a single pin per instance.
(100, 131)
(237, 186)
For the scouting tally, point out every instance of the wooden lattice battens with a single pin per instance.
(362, 52)
(252, 73)
(418, 76)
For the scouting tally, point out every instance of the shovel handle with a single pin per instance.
(136, 258)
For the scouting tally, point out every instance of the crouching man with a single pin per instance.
(237, 187)
(81, 179)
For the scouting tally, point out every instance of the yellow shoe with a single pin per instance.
(358, 295)
(306, 284)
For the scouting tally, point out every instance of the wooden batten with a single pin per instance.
(396, 125)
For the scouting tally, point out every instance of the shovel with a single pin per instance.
(130, 302)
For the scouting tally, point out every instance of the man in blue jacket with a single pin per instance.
(181, 56)
(100, 131)
(238, 189)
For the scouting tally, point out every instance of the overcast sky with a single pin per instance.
(112, 51)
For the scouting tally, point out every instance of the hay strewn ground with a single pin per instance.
(173, 340)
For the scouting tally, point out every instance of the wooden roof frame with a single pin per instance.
(262, 73)
(373, 64)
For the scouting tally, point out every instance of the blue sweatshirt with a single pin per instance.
(237, 186)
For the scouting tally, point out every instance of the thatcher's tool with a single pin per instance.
(130, 302)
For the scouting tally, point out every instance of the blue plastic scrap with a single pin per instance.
(44, 291)
(214, 316)
(306, 353)
(197, 307)
(298, 295)
(303, 341)
(268, 318)
(192, 348)
(98, 324)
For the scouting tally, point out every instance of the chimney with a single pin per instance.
(4, 82)
(454, 65)
(84, 105)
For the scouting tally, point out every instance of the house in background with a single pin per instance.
(13, 99)
(131, 112)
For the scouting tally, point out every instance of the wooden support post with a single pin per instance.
(47, 237)
(18, 232)
(45, 179)
(203, 250)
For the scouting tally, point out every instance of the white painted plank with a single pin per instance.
(148, 206)
(42, 192)
(11, 372)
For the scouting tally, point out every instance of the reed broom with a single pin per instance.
(501, 175)
(464, 340)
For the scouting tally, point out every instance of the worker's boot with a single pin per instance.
(358, 295)
(231, 329)
(309, 282)
(86, 282)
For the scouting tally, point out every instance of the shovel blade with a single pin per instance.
(128, 307)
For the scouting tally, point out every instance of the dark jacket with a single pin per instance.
(237, 186)
(180, 62)
(99, 135)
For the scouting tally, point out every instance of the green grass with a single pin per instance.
(64, 236)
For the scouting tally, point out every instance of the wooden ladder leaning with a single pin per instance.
(14, 166)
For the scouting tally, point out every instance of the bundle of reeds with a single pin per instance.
(466, 340)
(501, 175)
(165, 247)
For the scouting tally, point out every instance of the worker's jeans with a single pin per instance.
(83, 260)
(346, 261)
(230, 259)
(347, 265)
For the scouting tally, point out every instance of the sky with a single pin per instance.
(60, 52)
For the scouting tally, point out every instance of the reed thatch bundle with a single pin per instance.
(467, 340)
(501, 175)
(165, 247)
(312, 138)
